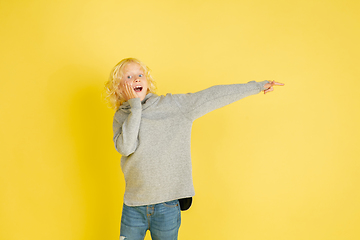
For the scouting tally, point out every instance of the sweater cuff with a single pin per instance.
(135, 103)
(262, 84)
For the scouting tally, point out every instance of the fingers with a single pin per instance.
(273, 83)
(269, 90)
(127, 88)
(278, 84)
(127, 91)
(269, 86)
(130, 91)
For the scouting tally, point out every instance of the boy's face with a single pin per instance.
(135, 75)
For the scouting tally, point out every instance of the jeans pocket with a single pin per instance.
(171, 204)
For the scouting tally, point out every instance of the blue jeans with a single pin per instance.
(163, 220)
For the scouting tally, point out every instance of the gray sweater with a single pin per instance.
(153, 137)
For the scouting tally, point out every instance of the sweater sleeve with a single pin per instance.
(195, 105)
(126, 132)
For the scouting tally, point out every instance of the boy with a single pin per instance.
(152, 133)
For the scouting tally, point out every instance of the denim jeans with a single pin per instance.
(163, 220)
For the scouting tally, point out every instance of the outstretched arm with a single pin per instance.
(195, 105)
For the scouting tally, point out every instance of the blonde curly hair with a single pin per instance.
(113, 96)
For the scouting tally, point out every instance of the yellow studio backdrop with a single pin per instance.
(282, 166)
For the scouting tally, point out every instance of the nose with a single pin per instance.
(137, 80)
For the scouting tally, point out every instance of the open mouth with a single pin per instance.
(138, 88)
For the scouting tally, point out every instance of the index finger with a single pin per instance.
(278, 84)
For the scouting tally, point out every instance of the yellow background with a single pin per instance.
(279, 166)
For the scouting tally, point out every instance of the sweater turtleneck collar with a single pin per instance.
(149, 99)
